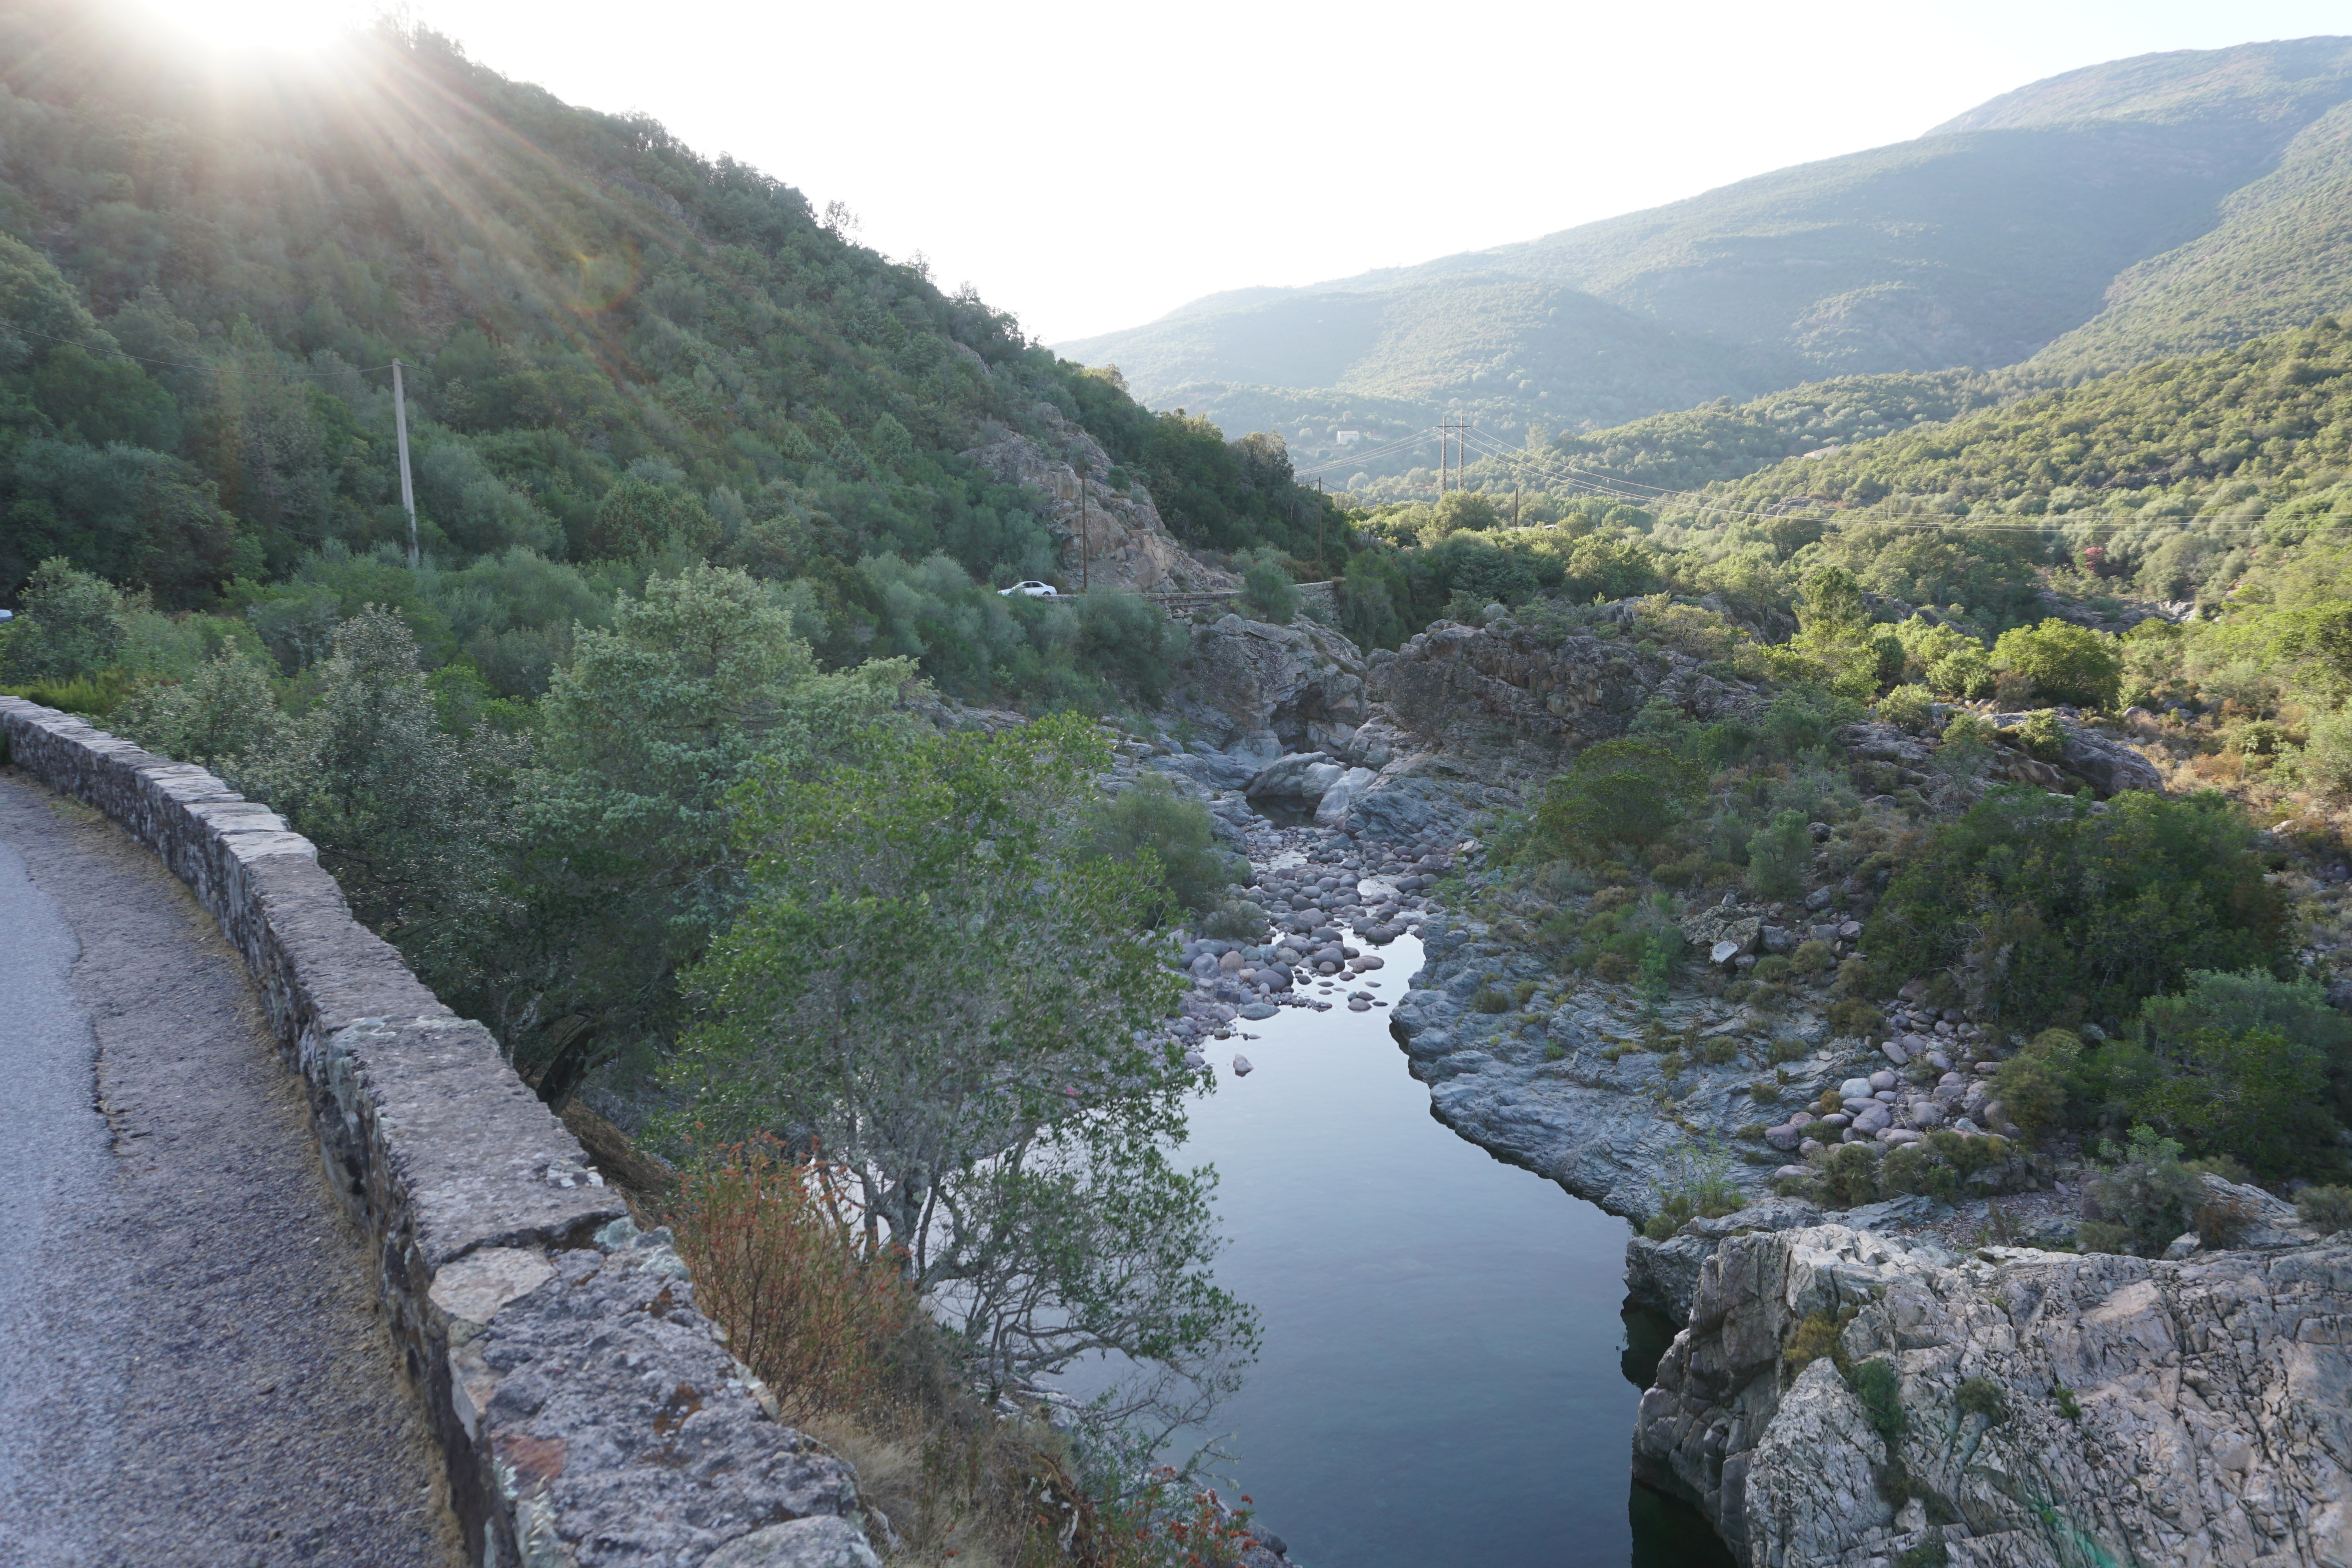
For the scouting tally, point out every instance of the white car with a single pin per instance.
(1033, 588)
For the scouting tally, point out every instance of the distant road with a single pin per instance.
(192, 1367)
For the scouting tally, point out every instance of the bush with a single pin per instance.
(1787, 1047)
(2251, 1067)
(1236, 920)
(68, 624)
(2142, 1200)
(1879, 1387)
(1855, 1017)
(1618, 795)
(1718, 1050)
(1779, 855)
(1268, 593)
(2041, 736)
(1812, 956)
(1849, 1176)
(2066, 663)
(2043, 901)
(1490, 1000)
(819, 1312)
(1816, 1336)
(1150, 816)
(1773, 968)
(2031, 1085)
(1982, 1396)
(1911, 708)
(2327, 1209)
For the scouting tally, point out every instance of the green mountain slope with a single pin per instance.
(619, 354)
(1976, 245)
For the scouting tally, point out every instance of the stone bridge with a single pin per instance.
(294, 1268)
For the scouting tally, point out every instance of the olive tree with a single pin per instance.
(939, 989)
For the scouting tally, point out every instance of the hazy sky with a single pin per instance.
(1092, 166)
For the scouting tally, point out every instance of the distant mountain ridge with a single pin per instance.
(2159, 204)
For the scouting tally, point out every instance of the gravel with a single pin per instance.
(195, 1370)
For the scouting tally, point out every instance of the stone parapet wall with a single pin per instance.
(587, 1414)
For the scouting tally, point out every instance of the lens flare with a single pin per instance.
(263, 26)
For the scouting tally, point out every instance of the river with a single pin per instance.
(1445, 1372)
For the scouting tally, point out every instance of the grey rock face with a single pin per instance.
(2104, 763)
(1475, 691)
(2212, 1400)
(1300, 686)
(1664, 1275)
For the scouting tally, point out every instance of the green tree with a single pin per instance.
(69, 623)
(1834, 631)
(224, 717)
(414, 823)
(2066, 663)
(953, 1008)
(629, 861)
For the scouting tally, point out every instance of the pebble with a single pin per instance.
(1241, 1068)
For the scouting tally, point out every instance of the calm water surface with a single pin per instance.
(1443, 1379)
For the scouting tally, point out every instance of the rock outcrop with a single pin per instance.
(1108, 537)
(1507, 690)
(2051, 1410)
(1252, 686)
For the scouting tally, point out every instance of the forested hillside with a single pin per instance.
(618, 353)
(2172, 202)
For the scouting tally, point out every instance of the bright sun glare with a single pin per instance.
(273, 26)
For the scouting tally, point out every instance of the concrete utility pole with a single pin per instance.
(407, 489)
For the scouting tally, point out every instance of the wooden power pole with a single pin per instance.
(407, 489)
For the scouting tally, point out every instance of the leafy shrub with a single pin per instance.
(1720, 1050)
(1816, 1336)
(812, 1305)
(1787, 1047)
(1521, 992)
(1982, 1396)
(1779, 855)
(1912, 708)
(68, 624)
(1855, 1017)
(1616, 796)
(1848, 1176)
(1698, 1182)
(1879, 1387)
(1268, 593)
(2066, 663)
(2068, 1405)
(1773, 968)
(1150, 816)
(1764, 1090)
(2041, 736)
(2327, 1209)
(2249, 1066)
(2142, 1200)
(1814, 957)
(1236, 920)
(1490, 1000)
(2031, 1085)
(2043, 901)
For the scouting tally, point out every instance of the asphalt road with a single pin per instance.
(192, 1367)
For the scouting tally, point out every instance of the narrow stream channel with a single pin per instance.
(1445, 1377)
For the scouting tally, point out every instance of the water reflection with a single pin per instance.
(1445, 1370)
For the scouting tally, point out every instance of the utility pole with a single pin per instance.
(1320, 565)
(1514, 506)
(407, 490)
